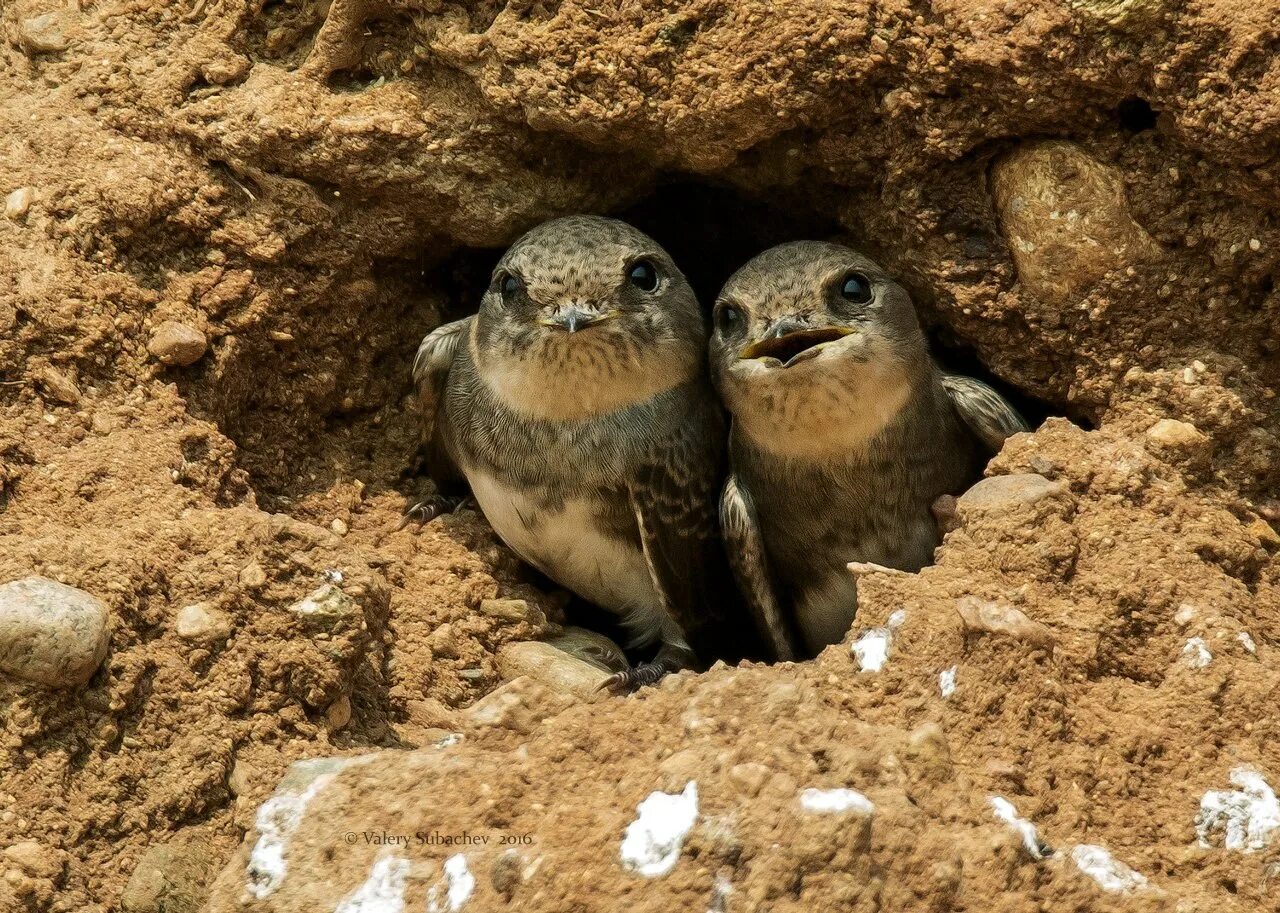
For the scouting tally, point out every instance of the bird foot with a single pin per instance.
(428, 509)
(634, 678)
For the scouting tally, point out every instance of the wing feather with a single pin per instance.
(750, 565)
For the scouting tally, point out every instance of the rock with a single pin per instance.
(36, 859)
(178, 344)
(505, 874)
(750, 777)
(552, 667)
(1123, 14)
(591, 647)
(927, 754)
(338, 714)
(57, 386)
(1001, 618)
(201, 623)
(43, 34)
(339, 526)
(253, 576)
(1011, 491)
(519, 705)
(171, 878)
(51, 633)
(322, 664)
(513, 610)
(1171, 434)
(242, 776)
(17, 203)
(1066, 219)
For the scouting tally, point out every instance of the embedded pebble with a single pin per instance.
(835, 801)
(174, 343)
(36, 859)
(199, 622)
(1195, 653)
(57, 386)
(171, 877)
(552, 667)
(1248, 818)
(42, 34)
(947, 682)
(328, 609)
(1004, 492)
(513, 610)
(252, 576)
(1176, 435)
(339, 526)
(1110, 874)
(17, 203)
(51, 633)
(1247, 642)
(1002, 618)
(652, 843)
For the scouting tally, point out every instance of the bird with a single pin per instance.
(844, 435)
(577, 408)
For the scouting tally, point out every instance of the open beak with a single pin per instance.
(792, 348)
(574, 318)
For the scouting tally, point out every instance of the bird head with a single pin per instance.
(586, 314)
(809, 333)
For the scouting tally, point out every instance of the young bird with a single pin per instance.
(576, 406)
(844, 433)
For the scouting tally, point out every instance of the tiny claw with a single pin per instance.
(634, 678)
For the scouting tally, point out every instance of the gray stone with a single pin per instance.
(1004, 492)
(51, 633)
(43, 34)
(200, 623)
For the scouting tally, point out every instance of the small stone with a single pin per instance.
(42, 34)
(750, 777)
(338, 714)
(199, 622)
(17, 203)
(505, 874)
(339, 526)
(178, 344)
(551, 667)
(1185, 615)
(51, 633)
(1002, 618)
(328, 609)
(241, 779)
(171, 878)
(519, 705)
(57, 386)
(36, 860)
(513, 610)
(252, 576)
(927, 753)
(1175, 435)
(1005, 492)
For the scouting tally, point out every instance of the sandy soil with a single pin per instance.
(1082, 198)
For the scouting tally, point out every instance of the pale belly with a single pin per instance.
(570, 548)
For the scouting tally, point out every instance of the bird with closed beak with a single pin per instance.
(844, 434)
(576, 407)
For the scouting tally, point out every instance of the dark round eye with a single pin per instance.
(509, 285)
(643, 275)
(728, 318)
(857, 288)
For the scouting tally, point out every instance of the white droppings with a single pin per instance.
(947, 682)
(872, 649)
(835, 801)
(897, 618)
(720, 893)
(1110, 874)
(458, 884)
(1248, 817)
(1247, 641)
(276, 821)
(383, 892)
(1009, 815)
(449, 741)
(333, 575)
(652, 843)
(1196, 653)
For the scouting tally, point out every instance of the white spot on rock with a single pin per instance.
(1025, 829)
(383, 892)
(276, 821)
(872, 649)
(458, 884)
(897, 618)
(1196, 653)
(1110, 874)
(1248, 817)
(652, 843)
(947, 682)
(835, 801)
(1247, 642)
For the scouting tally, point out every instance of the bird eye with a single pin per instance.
(856, 288)
(728, 318)
(509, 285)
(643, 276)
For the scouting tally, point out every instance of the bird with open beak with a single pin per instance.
(844, 434)
(577, 408)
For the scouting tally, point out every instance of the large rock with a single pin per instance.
(51, 633)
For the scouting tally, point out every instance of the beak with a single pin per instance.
(574, 318)
(790, 340)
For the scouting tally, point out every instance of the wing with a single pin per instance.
(986, 413)
(750, 565)
(431, 375)
(673, 496)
